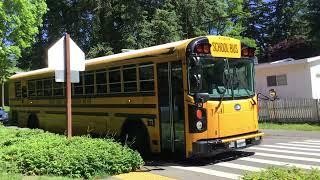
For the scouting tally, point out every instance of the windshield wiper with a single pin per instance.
(226, 66)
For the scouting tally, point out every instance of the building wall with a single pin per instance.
(315, 79)
(298, 80)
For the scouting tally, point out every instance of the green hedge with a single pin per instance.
(34, 152)
(283, 174)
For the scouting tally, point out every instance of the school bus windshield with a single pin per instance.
(227, 78)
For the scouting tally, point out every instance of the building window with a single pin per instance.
(146, 78)
(89, 82)
(130, 78)
(101, 82)
(17, 87)
(115, 80)
(277, 80)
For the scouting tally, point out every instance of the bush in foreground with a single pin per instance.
(283, 174)
(34, 152)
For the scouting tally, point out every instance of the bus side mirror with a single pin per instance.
(195, 74)
(195, 82)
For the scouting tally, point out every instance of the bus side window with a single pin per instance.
(47, 87)
(39, 87)
(89, 82)
(31, 88)
(146, 78)
(17, 88)
(115, 80)
(101, 81)
(78, 87)
(58, 89)
(130, 79)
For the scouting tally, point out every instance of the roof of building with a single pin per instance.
(288, 61)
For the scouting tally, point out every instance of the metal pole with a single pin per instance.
(68, 86)
(2, 95)
(317, 108)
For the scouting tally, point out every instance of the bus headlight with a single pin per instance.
(199, 125)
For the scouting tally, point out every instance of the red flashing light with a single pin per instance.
(199, 49)
(199, 114)
(248, 52)
(206, 48)
(202, 48)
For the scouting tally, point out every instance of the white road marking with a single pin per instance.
(209, 172)
(287, 157)
(285, 151)
(299, 145)
(309, 143)
(294, 148)
(238, 166)
(312, 141)
(279, 163)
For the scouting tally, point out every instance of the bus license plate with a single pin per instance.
(241, 143)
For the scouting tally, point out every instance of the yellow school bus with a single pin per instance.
(189, 98)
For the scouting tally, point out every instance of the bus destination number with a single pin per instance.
(225, 47)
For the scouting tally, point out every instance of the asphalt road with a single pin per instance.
(279, 148)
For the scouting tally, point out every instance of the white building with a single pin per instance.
(290, 78)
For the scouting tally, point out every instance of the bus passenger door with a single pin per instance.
(171, 108)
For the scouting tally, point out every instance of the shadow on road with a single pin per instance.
(157, 162)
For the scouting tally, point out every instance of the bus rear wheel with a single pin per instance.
(33, 122)
(135, 135)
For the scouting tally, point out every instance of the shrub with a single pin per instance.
(283, 174)
(34, 152)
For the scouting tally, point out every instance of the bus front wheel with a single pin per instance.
(135, 135)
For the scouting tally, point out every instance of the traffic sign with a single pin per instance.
(67, 59)
(56, 60)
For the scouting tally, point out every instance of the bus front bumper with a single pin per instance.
(204, 148)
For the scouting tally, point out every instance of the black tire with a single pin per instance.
(33, 122)
(135, 135)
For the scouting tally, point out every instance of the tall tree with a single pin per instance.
(20, 20)
(313, 17)
(286, 20)
(71, 16)
(255, 22)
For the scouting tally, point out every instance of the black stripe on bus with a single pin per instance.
(91, 105)
(79, 113)
(25, 111)
(148, 116)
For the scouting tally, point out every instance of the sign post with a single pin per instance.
(68, 85)
(67, 59)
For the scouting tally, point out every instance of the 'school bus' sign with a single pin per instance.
(225, 47)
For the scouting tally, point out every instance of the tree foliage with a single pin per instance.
(102, 27)
(20, 20)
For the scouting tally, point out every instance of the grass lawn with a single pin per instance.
(283, 174)
(294, 127)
